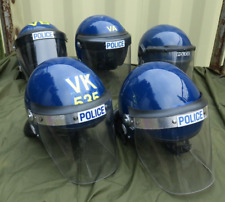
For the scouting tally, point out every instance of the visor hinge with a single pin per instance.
(20, 68)
(30, 115)
(79, 45)
(127, 120)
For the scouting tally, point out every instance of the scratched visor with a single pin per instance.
(33, 48)
(82, 144)
(176, 149)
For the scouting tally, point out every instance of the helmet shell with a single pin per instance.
(99, 24)
(157, 86)
(37, 25)
(164, 35)
(63, 81)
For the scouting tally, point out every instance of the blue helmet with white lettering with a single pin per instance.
(169, 44)
(37, 42)
(102, 43)
(163, 112)
(71, 111)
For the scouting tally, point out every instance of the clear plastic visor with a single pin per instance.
(183, 59)
(112, 63)
(113, 80)
(84, 153)
(32, 53)
(106, 52)
(178, 167)
(100, 58)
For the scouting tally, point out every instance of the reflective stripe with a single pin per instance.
(68, 119)
(169, 122)
(56, 120)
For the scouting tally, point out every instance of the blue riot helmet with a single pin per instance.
(102, 43)
(70, 110)
(169, 44)
(37, 42)
(162, 110)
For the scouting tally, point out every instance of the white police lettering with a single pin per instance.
(181, 54)
(43, 35)
(76, 84)
(190, 118)
(115, 44)
(91, 114)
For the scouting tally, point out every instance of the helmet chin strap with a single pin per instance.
(177, 148)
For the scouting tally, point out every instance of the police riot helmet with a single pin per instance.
(162, 110)
(169, 44)
(102, 43)
(37, 42)
(70, 110)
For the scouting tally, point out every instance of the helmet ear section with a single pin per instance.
(119, 127)
(141, 52)
(30, 130)
(78, 48)
(122, 129)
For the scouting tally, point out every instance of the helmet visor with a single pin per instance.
(104, 53)
(31, 53)
(109, 57)
(179, 165)
(182, 57)
(84, 152)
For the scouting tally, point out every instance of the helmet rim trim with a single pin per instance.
(165, 122)
(28, 37)
(65, 118)
(165, 49)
